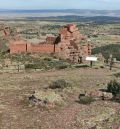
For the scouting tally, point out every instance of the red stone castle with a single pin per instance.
(67, 45)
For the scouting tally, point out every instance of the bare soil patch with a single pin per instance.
(17, 115)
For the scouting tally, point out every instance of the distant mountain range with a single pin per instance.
(54, 12)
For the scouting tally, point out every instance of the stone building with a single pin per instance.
(71, 46)
(68, 45)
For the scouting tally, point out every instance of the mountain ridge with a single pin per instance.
(79, 12)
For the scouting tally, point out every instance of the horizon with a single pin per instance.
(4, 9)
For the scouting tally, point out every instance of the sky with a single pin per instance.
(60, 4)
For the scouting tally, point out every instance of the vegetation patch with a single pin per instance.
(60, 84)
(80, 66)
(47, 59)
(93, 116)
(47, 98)
(107, 50)
(117, 75)
(114, 88)
(86, 100)
(47, 64)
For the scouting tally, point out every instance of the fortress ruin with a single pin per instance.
(68, 45)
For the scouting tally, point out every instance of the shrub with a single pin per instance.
(47, 59)
(117, 98)
(59, 84)
(81, 66)
(113, 87)
(48, 96)
(86, 100)
(102, 67)
(117, 75)
(29, 66)
(61, 67)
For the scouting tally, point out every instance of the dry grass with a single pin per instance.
(13, 87)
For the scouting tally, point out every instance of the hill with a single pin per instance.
(57, 12)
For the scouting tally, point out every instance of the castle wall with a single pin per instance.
(50, 40)
(42, 48)
(24, 47)
(18, 46)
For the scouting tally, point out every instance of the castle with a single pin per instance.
(68, 45)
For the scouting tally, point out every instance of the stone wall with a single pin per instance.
(42, 48)
(24, 47)
(19, 46)
(50, 39)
